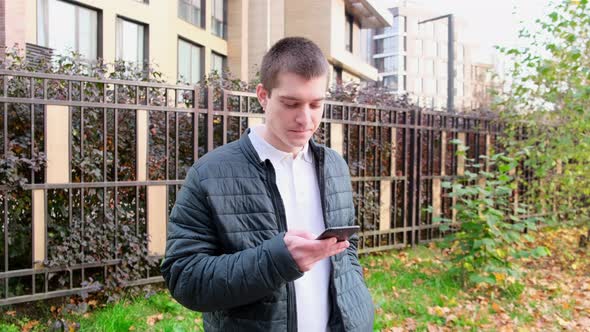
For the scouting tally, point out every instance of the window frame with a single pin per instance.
(348, 32)
(223, 22)
(146, 39)
(189, 19)
(201, 58)
(45, 27)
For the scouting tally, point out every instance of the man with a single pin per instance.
(241, 238)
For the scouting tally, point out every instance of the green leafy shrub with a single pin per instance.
(489, 232)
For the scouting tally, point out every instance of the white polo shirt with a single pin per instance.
(298, 185)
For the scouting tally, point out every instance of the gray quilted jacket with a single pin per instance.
(225, 254)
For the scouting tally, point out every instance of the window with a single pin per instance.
(218, 18)
(426, 29)
(442, 68)
(403, 25)
(131, 41)
(443, 50)
(418, 46)
(430, 48)
(418, 85)
(348, 33)
(412, 65)
(387, 64)
(387, 45)
(459, 54)
(442, 32)
(398, 26)
(428, 67)
(217, 63)
(429, 86)
(459, 72)
(189, 62)
(192, 11)
(441, 87)
(459, 89)
(67, 27)
(390, 82)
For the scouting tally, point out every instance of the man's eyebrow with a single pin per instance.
(297, 99)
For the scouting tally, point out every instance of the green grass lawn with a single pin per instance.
(412, 290)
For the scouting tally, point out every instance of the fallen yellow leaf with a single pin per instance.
(153, 319)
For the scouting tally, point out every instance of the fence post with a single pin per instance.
(39, 228)
(157, 217)
(57, 145)
(142, 142)
(337, 137)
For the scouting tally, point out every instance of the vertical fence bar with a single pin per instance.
(167, 168)
(225, 116)
(115, 178)
(209, 119)
(414, 175)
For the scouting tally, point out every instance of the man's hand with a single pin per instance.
(307, 251)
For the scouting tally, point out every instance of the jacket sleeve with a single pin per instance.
(352, 252)
(203, 279)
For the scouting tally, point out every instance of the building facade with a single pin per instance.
(188, 39)
(412, 57)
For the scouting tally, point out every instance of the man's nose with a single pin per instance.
(304, 115)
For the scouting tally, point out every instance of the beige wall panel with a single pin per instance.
(461, 159)
(39, 227)
(258, 34)
(15, 25)
(57, 147)
(338, 24)
(142, 138)
(385, 205)
(310, 19)
(337, 137)
(237, 44)
(436, 198)
(30, 17)
(277, 20)
(157, 219)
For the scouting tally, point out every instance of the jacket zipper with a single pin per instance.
(280, 209)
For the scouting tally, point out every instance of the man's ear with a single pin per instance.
(262, 95)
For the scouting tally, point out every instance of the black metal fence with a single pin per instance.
(124, 139)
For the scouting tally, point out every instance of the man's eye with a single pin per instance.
(316, 106)
(291, 105)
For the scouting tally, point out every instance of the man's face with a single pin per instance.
(294, 110)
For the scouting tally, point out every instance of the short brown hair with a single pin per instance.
(296, 55)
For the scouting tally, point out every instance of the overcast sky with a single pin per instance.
(489, 23)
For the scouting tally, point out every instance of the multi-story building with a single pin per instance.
(189, 38)
(340, 28)
(412, 57)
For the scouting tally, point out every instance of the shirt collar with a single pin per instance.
(267, 151)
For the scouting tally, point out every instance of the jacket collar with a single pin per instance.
(245, 143)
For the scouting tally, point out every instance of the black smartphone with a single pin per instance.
(341, 233)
